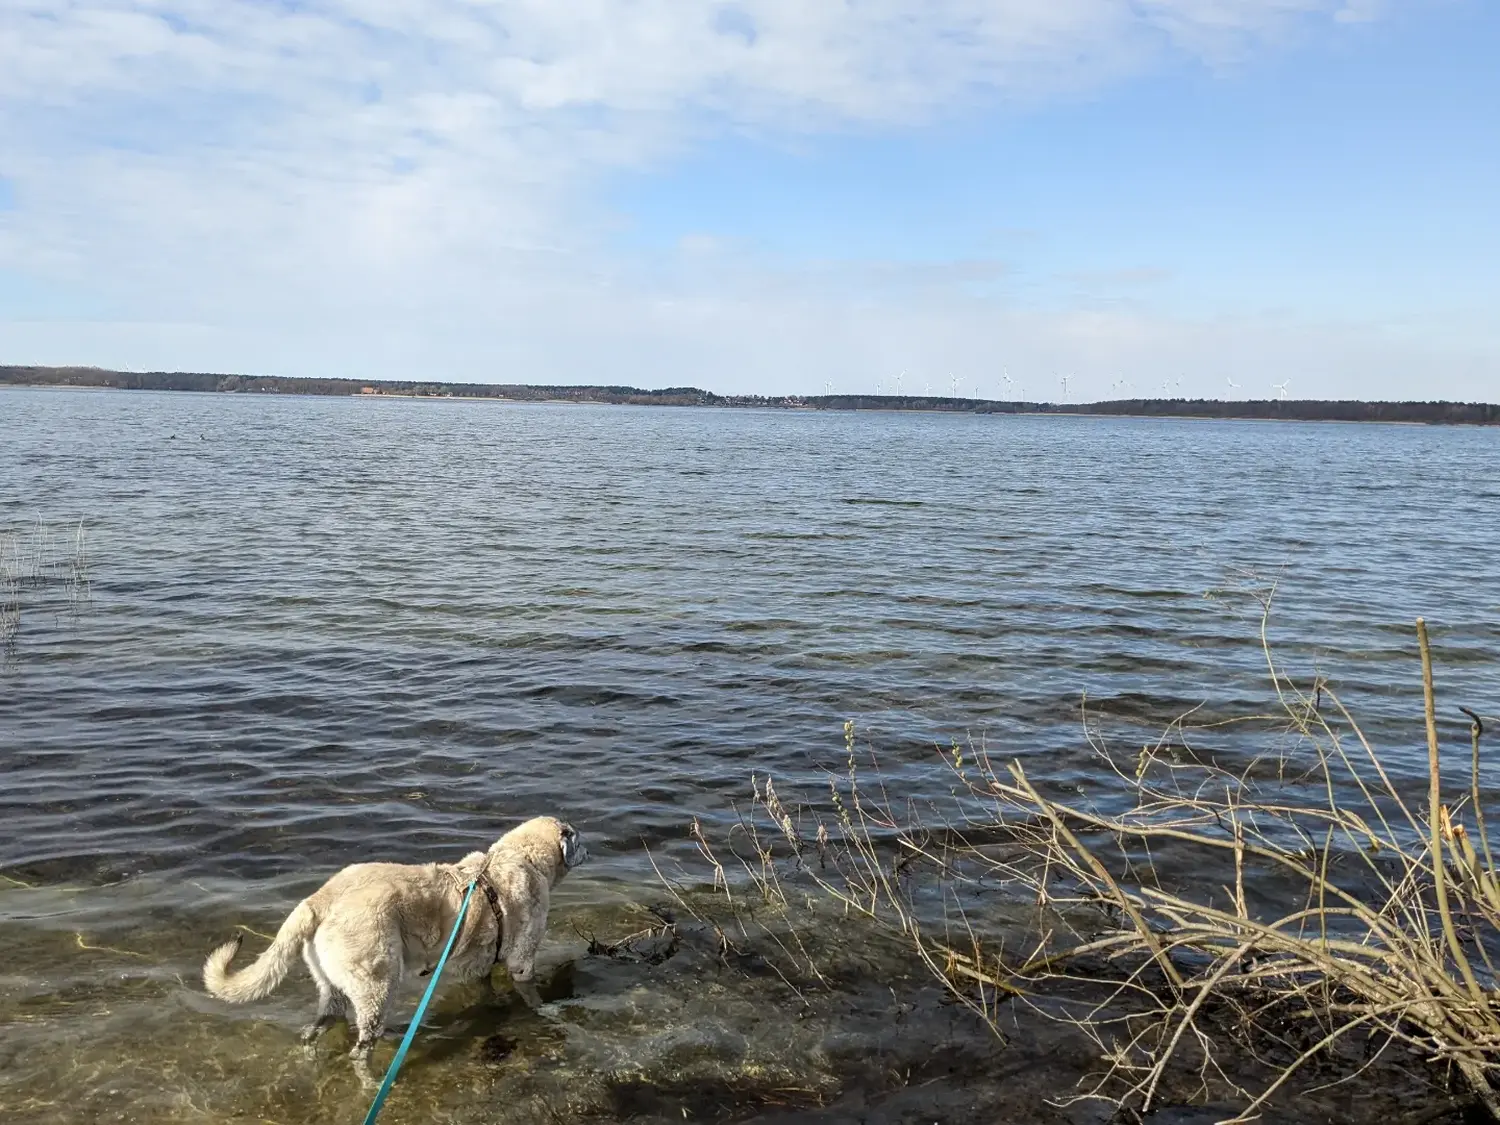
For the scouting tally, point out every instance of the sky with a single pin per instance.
(1048, 199)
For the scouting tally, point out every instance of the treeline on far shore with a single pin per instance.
(1316, 410)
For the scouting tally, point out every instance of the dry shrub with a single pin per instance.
(1278, 911)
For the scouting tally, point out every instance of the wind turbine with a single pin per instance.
(1232, 383)
(1280, 388)
(1009, 383)
(1064, 381)
(898, 381)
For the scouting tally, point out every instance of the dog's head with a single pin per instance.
(553, 845)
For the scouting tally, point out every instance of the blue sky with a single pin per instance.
(762, 196)
(1330, 176)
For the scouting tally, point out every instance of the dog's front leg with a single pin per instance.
(520, 958)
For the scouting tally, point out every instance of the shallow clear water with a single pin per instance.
(322, 630)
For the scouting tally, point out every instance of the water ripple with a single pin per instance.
(336, 626)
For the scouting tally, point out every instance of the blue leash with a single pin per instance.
(416, 1020)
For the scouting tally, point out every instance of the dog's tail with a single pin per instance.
(269, 969)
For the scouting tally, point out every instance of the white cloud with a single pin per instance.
(304, 185)
(1360, 11)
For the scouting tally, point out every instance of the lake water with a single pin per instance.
(316, 631)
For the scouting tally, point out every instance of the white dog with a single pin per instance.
(371, 925)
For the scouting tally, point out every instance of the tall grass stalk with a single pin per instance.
(38, 561)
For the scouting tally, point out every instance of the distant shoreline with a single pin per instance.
(1302, 410)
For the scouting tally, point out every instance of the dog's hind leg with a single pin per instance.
(369, 1018)
(370, 997)
(368, 1001)
(332, 1004)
